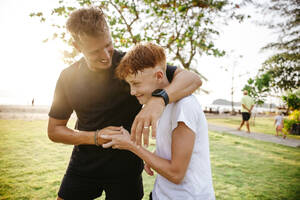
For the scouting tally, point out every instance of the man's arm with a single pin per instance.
(251, 108)
(183, 84)
(244, 106)
(60, 133)
(183, 139)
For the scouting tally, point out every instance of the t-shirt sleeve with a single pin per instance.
(184, 112)
(60, 108)
(243, 101)
(170, 72)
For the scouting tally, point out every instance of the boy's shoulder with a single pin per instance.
(188, 104)
(188, 100)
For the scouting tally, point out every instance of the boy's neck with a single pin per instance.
(164, 83)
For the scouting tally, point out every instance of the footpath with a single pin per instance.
(257, 136)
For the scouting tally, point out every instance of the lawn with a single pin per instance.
(31, 166)
(261, 124)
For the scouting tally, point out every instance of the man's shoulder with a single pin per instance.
(119, 53)
(250, 99)
(246, 98)
(74, 66)
(117, 57)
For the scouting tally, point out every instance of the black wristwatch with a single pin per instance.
(161, 93)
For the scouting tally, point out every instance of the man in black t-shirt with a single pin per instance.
(103, 104)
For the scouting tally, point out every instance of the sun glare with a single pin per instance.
(29, 68)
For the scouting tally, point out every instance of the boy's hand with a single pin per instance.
(148, 170)
(120, 141)
(110, 130)
(147, 118)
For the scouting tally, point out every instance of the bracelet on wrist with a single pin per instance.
(96, 138)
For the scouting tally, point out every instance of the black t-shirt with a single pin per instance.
(99, 100)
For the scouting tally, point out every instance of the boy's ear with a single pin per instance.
(159, 74)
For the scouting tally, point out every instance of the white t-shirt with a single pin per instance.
(197, 183)
(279, 120)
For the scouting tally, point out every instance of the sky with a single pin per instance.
(30, 68)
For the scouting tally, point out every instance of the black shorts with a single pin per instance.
(78, 188)
(246, 116)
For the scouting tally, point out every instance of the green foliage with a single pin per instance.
(293, 118)
(185, 28)
(286, 28)
(283, 67)
(288, 123)
(276, 78)
(292, 100)
(295, 115)
(284, 70)
(258, 88)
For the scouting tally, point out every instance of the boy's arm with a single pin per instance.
(183, 84)
(174, 170)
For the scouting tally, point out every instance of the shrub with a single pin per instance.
(293, 118)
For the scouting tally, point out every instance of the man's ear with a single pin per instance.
(76, 45)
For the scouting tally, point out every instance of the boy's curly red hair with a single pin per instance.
(140, 57)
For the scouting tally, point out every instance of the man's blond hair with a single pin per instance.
(87, 22)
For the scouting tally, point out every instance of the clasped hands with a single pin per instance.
(147, 118)
(123, 141)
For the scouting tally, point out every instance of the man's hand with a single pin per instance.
(110, 130)
(119, 141)
(147, 117)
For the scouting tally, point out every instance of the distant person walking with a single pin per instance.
(247, 106)
(279, 124)
(32, 102)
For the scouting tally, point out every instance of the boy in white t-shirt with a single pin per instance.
(181, 158)
(278, 122)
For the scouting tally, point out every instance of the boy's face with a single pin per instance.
(143, 84)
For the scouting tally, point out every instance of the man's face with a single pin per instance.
(143, 84)
(98, 51)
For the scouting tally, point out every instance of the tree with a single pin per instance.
(292, 100)
(284, 19)
(282, 68)
(258, 88)
(283, 16)
(286, 24)
(185, 28)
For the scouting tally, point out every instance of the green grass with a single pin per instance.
(31, 166)
(261, 125)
